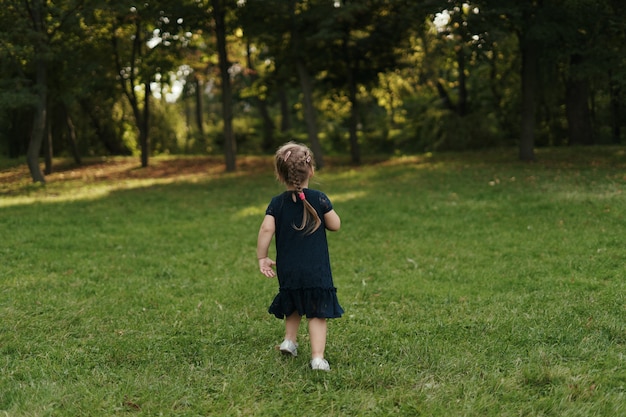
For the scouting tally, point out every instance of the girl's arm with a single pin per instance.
(332, 221)
(266, 232)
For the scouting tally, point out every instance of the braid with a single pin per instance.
(294, 176)
(293, 165)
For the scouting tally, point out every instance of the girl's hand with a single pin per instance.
(266, 266)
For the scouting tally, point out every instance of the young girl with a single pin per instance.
(299, 218)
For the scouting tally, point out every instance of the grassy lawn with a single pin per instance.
(473, 285)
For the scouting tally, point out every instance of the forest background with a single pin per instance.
(83, 78)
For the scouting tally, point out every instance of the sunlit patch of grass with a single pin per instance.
(98, 178)
(73, 192)
(257, 211)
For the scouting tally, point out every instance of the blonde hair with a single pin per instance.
(293, 164)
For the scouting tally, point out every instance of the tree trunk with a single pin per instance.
(355, 150)
(268, 125)
(445, 97)
(261, 103)
(39, 125)
(230, 145)
(128, 87)
(285, 114)
(577, 105)
(353, 120)
(615, 111)
(144, 127)
(38, 130)
(200, 111)
(529, 105)
(462, 103)
(306, 84)
(577, 111)
(309, 113)
(71, 135)
(48, 150)
(188, 130)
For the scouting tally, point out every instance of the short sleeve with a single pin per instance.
(272, 208)
(325, 203)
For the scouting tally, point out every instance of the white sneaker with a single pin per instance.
(289, 348)
(320, 364)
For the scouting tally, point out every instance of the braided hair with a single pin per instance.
(294, 164)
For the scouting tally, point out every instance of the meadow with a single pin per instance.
(473, 285)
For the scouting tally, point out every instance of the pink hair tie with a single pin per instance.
(301, 195)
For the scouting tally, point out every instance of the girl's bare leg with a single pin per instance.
(292, 323)
(317, 333)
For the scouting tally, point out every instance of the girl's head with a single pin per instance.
(294, 165)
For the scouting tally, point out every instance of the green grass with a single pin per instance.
(473, 286)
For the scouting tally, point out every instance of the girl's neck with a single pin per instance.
(304, 185)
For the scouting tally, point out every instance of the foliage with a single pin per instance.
(388, 76)
(478, 287)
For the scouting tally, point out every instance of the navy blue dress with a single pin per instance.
(302, 261)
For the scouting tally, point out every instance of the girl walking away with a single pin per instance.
(299, 218)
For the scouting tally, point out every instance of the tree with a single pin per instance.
(300, 16)
(365, 38)
(260, 99)
(529, 51)
(528, 21)
(562, 66)
(460, 63)
(531, 70)
(286, 35)
(585, 24)
(141, 39)
(36, 28)
(615, 66)
(38, 19)
(230, 145)
(272, 75)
